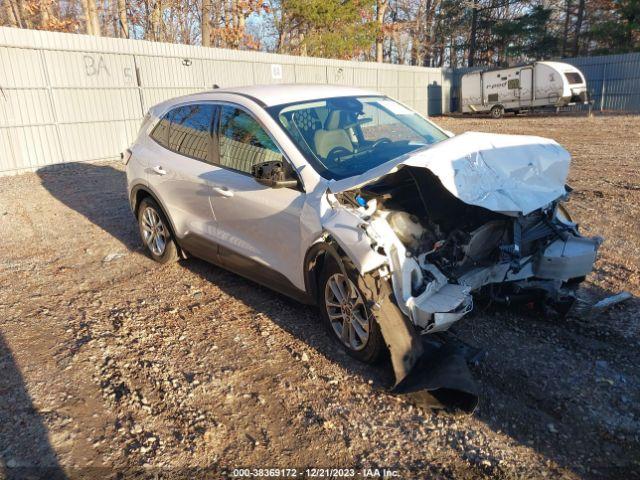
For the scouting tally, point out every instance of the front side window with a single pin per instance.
(190, 131)
(243, 142)
(346, 136)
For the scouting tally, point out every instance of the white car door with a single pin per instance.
(257, 227)
(178, 168)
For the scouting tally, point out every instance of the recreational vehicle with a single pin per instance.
(540, 85)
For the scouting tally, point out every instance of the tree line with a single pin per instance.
(433, 33)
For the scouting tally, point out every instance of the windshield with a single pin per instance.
(346, 136)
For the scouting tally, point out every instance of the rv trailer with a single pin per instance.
(536, 86)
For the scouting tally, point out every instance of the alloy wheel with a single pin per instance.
(154, 232)
(347, 312)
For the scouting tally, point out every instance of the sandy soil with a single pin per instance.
(112, 363)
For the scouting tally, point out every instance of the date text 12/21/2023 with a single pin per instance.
(314, 473)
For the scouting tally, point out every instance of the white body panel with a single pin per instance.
(542, 84)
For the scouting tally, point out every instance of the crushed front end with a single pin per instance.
(477, 214)
(441, 250)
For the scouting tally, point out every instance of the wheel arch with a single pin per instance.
(315, 259)
(139, 193)
(326, 248)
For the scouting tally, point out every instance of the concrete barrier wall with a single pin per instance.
(69, 98)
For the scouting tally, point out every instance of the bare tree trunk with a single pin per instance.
(155, 20)
(453, 54)
(281, 41)
(241, 20)
(123, 19)
(576, 40)
(303, 46)
(428, 41)
(417, 36)
(567, 18)
(88, 22)
(45, 14)
(92, 16)
(381, 8)
(205, 26)
(12, 18)
(23, 14)
(474, 31)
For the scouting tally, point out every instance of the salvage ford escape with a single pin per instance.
(347, 199)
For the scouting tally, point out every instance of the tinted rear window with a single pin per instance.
(190, 131)
(573, 77)
(186, 130)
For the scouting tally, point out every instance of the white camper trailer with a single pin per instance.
(540, 85)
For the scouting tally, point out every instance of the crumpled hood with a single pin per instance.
(511, 174)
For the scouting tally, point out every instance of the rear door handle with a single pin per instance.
(224, 191)
(159, 170)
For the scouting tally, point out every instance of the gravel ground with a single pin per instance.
(110, 362)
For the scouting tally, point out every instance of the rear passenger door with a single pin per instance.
(258, 227)
(178, 175)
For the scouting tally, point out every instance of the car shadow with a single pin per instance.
(96, 191)
(31, 455)
(307, 326)
(519, 400)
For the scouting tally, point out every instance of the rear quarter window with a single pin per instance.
(187, 130)
(160, 132)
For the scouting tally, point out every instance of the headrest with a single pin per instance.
(334, 120)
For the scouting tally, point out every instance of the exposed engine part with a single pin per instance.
(407, 227)
(437, 249)
(483, 241)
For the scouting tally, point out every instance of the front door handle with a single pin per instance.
(159, 170)
(223, 191)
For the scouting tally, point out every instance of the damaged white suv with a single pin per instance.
(347, 199)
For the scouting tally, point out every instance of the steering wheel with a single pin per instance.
(336, 152)
(379, 142)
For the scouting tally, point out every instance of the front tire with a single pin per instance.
(155, 232)
(346, 316)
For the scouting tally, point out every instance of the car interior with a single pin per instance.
(345, 136)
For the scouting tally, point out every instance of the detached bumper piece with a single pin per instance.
(433, 373)
(441, 379)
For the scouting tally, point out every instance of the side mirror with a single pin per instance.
(274, 174)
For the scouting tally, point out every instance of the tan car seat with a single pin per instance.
(332, 135)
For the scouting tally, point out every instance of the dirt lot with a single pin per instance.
(110, 362)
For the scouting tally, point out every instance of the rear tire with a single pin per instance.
(346, 317)
(497, 111)
(155, 232)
